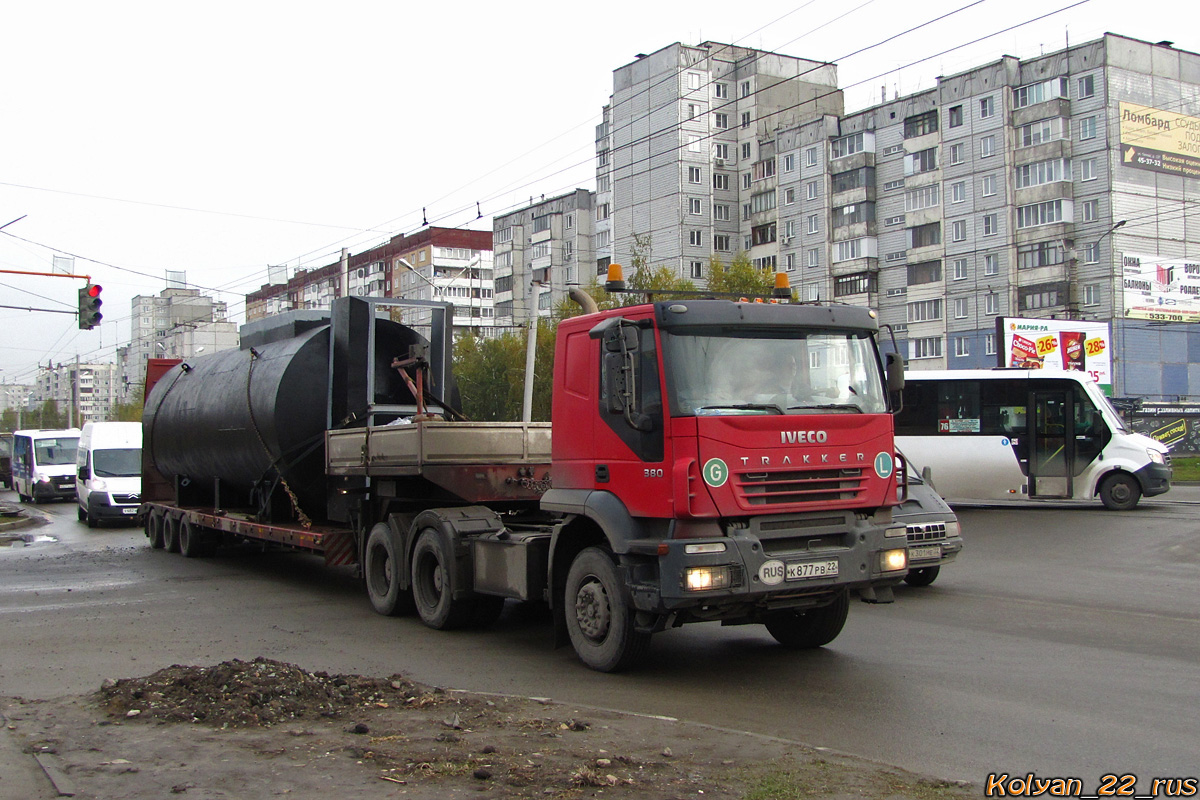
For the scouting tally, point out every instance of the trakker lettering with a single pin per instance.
(803, 437)
(811, 458)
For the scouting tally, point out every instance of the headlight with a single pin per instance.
(99, 485)
(1155, 456)
(43, 477)
(702, 579)
(893, 532)
(893, 560)
(952, 529)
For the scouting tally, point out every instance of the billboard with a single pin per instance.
(1162, 141)
(1056, 345)
(1161, 289)
(1173, 424)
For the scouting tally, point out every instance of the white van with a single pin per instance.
(108, 479)
(43, 464)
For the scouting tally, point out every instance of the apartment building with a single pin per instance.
(91, 390)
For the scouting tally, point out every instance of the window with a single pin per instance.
(852, 214)
(763, 201)
(1039, 214)
(851, 249)
(1088, 169)
(720, 120)
(990, 227)
(858, 283)
(956, 154)
(603, 211)
(789, 196)
(929, 347)
(763, 234)
(693, 80)
(921, 124)
(893, 150)
(721, 151)
(693, 144)
(696, 238)
(986, 107)
(789, 261)
(1091, 253)
(1087, 86)
(812, 188)
(746, 211)
(745, 151)
(789, 228)
(814, 257)
(1040, 172)
(955, 117)
(852, 179)
(961, 308)
(813, 223)
(988, 185)
(958, 192)
(1039, 92)
(1044, 295)
(893, 185)
(694, 110)
(695, 175)
(1087, 128)
(569, 221)
(847, 145)
(763, 169)
(745, 119)
(720, 180)
(697, 269)
(721, 212)
(1091, 210)
(991, 264)
(991, 303)
(989, 344)
(925, 272)
(962, 346)
(539, 224)
(745, 88)
(694, 206)
(602, 158)
(925, 197)
(925, 235)
(1039, 254)
(923, 161)
(925, 310)
(721, 241)
(987, 147)
(896, 220)
(810, 157)
(958, 230)
(1040, 132)
(746, 180)
(505, 235)
(541, 250)
(721, 89)
(960, 269)
(1091, 294)
(789, 162)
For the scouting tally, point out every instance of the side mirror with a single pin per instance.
(895, 372)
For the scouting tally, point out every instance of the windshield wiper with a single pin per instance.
(745, 407)
(847, 407)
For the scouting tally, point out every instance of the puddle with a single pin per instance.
(20, 540)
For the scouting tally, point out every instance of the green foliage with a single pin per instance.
(490, 373)
(127, 412)
(740, 277)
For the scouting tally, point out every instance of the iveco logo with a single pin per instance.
(803, 437)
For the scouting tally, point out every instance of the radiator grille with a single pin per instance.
(792, 487)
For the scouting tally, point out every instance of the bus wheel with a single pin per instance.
(381, 573)
(80, 513)
(599, 621)
(922, 577)
(813, 628)
(1119, 491)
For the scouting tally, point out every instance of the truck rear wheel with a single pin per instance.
(381, 572)
(813, 628)
(171, 534)
(433, 584)
(599, 621)
(154, 530)
(193, 540)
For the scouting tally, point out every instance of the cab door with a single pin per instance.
(1052, 440)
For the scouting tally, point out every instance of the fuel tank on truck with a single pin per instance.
(247, 418)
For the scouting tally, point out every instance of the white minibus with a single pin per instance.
(108, 480)
(1016, 434)
(43, 464)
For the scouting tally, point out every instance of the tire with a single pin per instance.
(81, 513)
(382, 566)
(154, 530)
(171, 534)
(433, 584)
(814, 628)
(192, 539)
(922, 576)
(599, 621)
(1120, 491)
(92, 521)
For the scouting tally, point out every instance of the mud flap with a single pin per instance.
(873, 595)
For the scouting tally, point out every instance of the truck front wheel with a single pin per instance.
(382, 572)
(599, 621)
(813, 628)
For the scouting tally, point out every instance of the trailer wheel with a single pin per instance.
(1119, 491)
(171, 534)
(154, 530)
(813, 628)
(599, 621)
(922, 577)
(192, 540)
(381, 572)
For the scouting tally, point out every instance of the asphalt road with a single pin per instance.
(1065, 642)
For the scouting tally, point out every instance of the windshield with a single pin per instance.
(52, 452)
(1120, 423)
(816, 371)
(117, 463)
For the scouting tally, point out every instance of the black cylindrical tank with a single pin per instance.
(244, 417)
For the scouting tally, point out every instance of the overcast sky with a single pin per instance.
(218, 138)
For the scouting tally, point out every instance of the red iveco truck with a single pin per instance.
(675, 488)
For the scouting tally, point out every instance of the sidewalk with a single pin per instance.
(20, 774)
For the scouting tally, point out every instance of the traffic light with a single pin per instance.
(89, 307)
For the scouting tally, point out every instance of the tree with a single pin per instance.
(740, 277)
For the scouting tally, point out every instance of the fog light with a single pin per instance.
(702, 579)
(892, 532)
(710, 547)
(892, 560)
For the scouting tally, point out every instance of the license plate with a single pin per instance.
(129, 510)
(798, 571)
(926, 552)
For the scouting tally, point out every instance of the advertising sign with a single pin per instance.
(1174, 424)
(1162, 141)
(1056, 345)
(1162, 289)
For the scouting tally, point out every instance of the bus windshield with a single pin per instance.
(818, 371)
(55, 452)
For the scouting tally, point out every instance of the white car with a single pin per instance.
(933, 532)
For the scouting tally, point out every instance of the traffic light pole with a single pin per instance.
(89, 296)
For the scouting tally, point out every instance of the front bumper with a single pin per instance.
(100, 505)
(54, 490)
(1154, 478)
